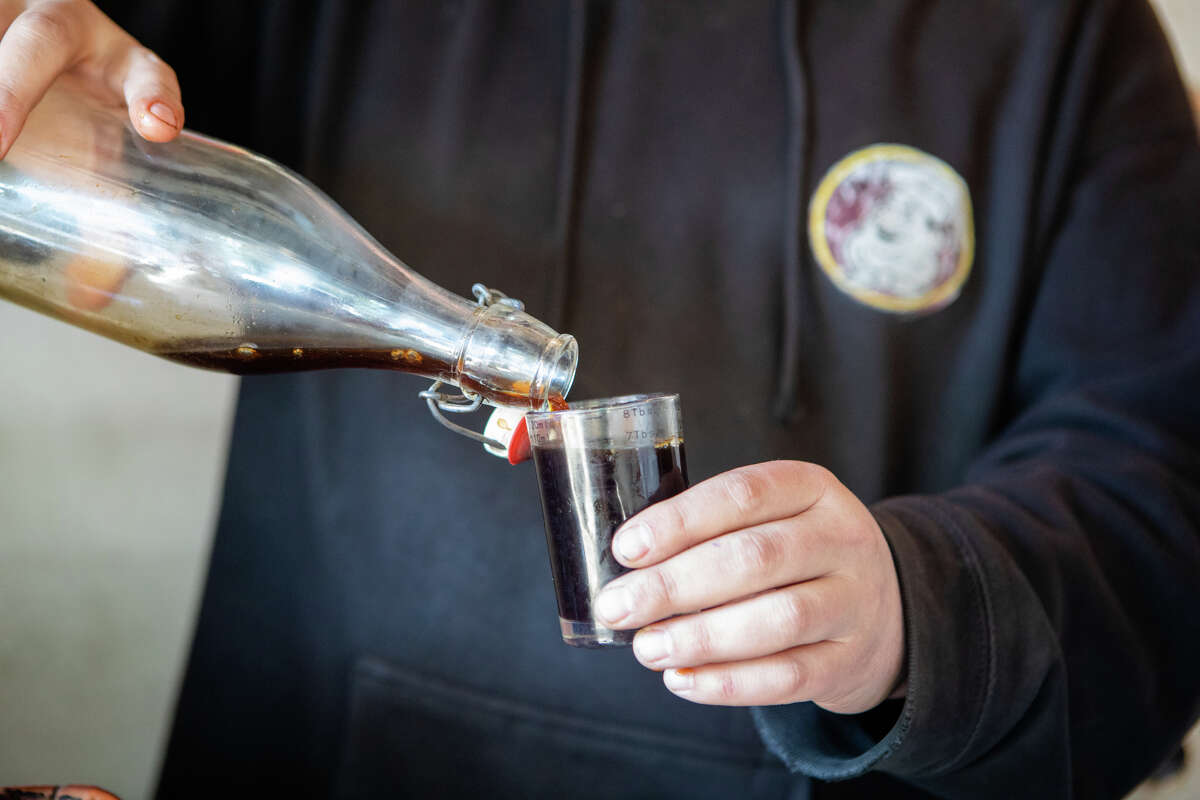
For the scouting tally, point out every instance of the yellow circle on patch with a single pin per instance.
(892, 227)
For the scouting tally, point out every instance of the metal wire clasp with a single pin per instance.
(465, 401)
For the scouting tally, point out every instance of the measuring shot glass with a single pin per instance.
(599, 463)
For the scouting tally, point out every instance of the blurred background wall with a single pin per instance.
(110, 463)
(1181, 18)
(110, 467)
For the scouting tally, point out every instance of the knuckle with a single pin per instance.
(658, 589)
(758, 551)
(726, 685)
(810, 474)
(696, 642)
(667, 522)
(798, 679)
(795, 616)
(745, 489)
(676, 517)
(816, 472)
(49, 26)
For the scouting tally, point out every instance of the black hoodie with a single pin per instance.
(683, 187)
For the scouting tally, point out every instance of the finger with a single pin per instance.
(803, 673)
(92, 283)
(55, 793)
(732, 500)
(151, 92)
(729, 567)
(84, 793)
(767, 623)
(39, 45)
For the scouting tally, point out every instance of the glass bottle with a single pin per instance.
(209, 255)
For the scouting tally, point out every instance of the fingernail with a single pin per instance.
(652, 645)
(679, 680)
(633, 542)
(613, 605)
(164, 114)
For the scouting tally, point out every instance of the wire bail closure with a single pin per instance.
(465, 401)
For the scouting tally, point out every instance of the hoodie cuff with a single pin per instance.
(946, 626)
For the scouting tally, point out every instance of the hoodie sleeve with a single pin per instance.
(1052, 602)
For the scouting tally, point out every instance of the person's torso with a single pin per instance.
(380, 609)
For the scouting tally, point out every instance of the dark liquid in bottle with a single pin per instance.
(586, 495)
(251, 359)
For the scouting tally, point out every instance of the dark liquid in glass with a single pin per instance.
(586, 495)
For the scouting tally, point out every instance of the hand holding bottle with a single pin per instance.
(210, 255)
(43, 39)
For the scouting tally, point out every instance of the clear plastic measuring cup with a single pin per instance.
(599, 463)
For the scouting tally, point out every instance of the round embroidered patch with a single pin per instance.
(892, 227)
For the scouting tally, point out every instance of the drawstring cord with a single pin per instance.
(570, 164)
(797, 166)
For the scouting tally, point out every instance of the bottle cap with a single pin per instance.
(506, 426)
